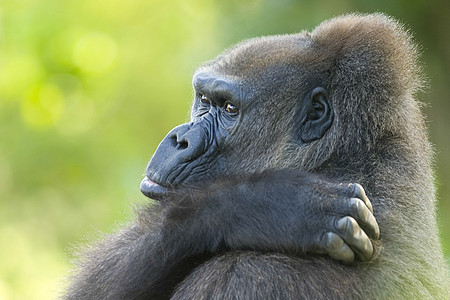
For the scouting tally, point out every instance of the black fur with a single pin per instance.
(244, 217)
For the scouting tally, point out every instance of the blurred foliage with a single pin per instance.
(89, 87)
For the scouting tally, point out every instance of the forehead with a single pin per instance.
(260, 54)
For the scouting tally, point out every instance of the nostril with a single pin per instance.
(182, 145)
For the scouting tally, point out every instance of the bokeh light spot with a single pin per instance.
(95, 53)
(43, 105)
(17, 73)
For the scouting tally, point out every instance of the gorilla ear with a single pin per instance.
(316, 116)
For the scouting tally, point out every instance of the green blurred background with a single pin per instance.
(89, 87)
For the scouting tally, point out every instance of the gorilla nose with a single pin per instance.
(189, 144)
(182, 145)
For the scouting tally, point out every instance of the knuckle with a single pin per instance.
(358, 208)
(359, 192)
(348, 226)
(333, 241)
(358, 189)
(352, 225)
(355, 204)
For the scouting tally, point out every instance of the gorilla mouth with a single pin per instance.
(153, 190)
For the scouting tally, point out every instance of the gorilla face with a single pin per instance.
(192, 150)
(238, 100)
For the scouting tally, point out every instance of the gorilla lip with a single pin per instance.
(153, 190)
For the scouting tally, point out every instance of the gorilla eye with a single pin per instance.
(231, 109)
(204, 99)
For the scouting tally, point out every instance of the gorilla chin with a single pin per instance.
(153, 190)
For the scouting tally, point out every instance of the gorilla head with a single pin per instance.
(268, 103)
(240, 126)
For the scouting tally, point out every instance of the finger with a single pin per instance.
(355, 237)
(359, 211)
(337, 248)
(358, 192)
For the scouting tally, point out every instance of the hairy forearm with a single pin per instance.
(279, 211)
(244, 214)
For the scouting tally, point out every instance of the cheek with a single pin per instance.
(227, 125)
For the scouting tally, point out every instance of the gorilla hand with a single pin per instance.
(350, 235)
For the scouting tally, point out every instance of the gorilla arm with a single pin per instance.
(277, 211)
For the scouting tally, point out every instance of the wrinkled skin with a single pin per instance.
(191, 152)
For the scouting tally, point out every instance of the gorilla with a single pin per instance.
(265, 193)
